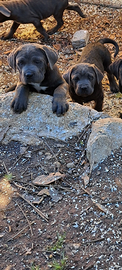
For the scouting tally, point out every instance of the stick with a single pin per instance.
(5, 167)
(19, 232)
(37, 210)
(26, 218)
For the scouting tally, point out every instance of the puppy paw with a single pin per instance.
(59, 107)
(18, 106)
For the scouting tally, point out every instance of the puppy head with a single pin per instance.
(5, 13)
(116, 69)
(83, 77)
(32, 61)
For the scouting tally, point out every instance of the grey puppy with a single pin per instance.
(116, 69)
(31, 11)
(37, 72)
(85, 77)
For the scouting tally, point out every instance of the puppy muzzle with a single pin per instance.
(84, 91)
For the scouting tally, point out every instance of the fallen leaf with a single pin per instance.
(43, 180)
(57, 47)
(102, 208)
(118, 182)
(85, 179)
(44, 191)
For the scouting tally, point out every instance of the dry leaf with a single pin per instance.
(44, 191)
(118, 182)
(57, 47)
(43, 180)
(102, 208)
(85, 179)
(6, 193)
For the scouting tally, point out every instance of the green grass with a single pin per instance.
(59, 243)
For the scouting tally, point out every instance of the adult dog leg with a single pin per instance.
(20, 101)
(58, 18)
(41, 29)
(13, 29)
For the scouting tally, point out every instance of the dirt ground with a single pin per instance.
(74, 222)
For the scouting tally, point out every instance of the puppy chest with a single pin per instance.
(38, 87)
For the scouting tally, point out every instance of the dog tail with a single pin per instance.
(77, 9)
(109, 40)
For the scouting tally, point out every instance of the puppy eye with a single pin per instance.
(36, 61)
(90, 77)
(75, 78)
(21, 62)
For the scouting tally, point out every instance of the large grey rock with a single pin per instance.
(105, 137)
(38, 120)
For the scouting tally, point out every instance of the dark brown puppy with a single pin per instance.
(37, 72)
(116, 69)
(85, 77)
(31, 11)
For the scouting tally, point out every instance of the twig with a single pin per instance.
(19, 157)
(19, 186)
(26, 218)
(19, 232)
(86, 191)
(50, 149)
(5, 167)
(37, 210)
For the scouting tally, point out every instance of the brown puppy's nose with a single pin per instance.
(29, 74)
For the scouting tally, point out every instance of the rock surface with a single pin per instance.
(105, 137)
(39, 121)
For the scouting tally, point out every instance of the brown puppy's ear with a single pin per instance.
(114, 68)
(12, 58)
(51, 54)
(99, 74)
(5, 11)
(67, 75)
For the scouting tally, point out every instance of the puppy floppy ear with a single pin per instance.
(67, 75)
(99, 74)
(114, 68)
(5, 11)
(51, 54)
(12, 58)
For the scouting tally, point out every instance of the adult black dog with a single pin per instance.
(33, 11)
(85, 77)
(116, 69)
(37, 72)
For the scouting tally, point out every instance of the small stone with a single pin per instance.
(70, 165)
(80, 39)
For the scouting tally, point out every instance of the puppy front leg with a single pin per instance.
(20, 101)
(13, 29)
(59, 102)
(99, 99)
(113, 85)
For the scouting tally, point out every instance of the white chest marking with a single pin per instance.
(38, 87)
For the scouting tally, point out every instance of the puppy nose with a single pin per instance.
(84, 88)
(29, 74)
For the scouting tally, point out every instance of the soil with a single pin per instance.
(80, 223)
